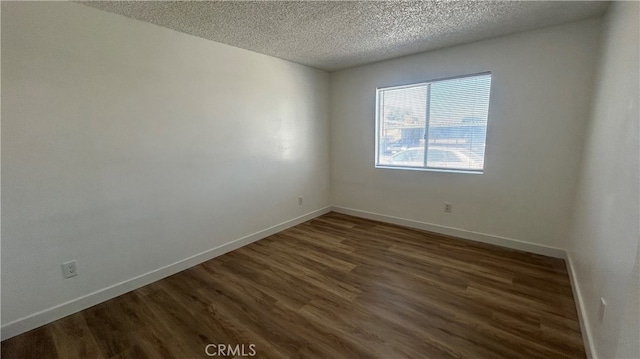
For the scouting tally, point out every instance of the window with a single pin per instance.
(436, 125)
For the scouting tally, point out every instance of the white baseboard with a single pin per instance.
(49, 315)
(582, 314)
(456, 232)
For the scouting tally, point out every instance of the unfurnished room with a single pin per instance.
(320, 179)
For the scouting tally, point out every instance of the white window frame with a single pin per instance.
(379, 90)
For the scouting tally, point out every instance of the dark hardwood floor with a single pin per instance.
(334, 287)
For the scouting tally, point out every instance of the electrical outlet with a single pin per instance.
(69, 269)
(300, 201)
(448, 207)
(602, 309)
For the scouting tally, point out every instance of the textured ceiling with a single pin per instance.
(335, 35)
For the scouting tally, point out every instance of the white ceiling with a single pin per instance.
(335, 35)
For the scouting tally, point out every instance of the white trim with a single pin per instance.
(457, 232)
(62, 310)
(49, 315)
(585, 328)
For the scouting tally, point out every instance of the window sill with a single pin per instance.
(472, 172)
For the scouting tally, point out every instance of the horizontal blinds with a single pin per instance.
(458, 121)
(445, 120)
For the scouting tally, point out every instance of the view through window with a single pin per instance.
(440, 125)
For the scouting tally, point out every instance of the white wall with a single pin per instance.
(605, 234)
(539, 105)
(128, 147)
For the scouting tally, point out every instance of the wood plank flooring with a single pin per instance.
(334, 287)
